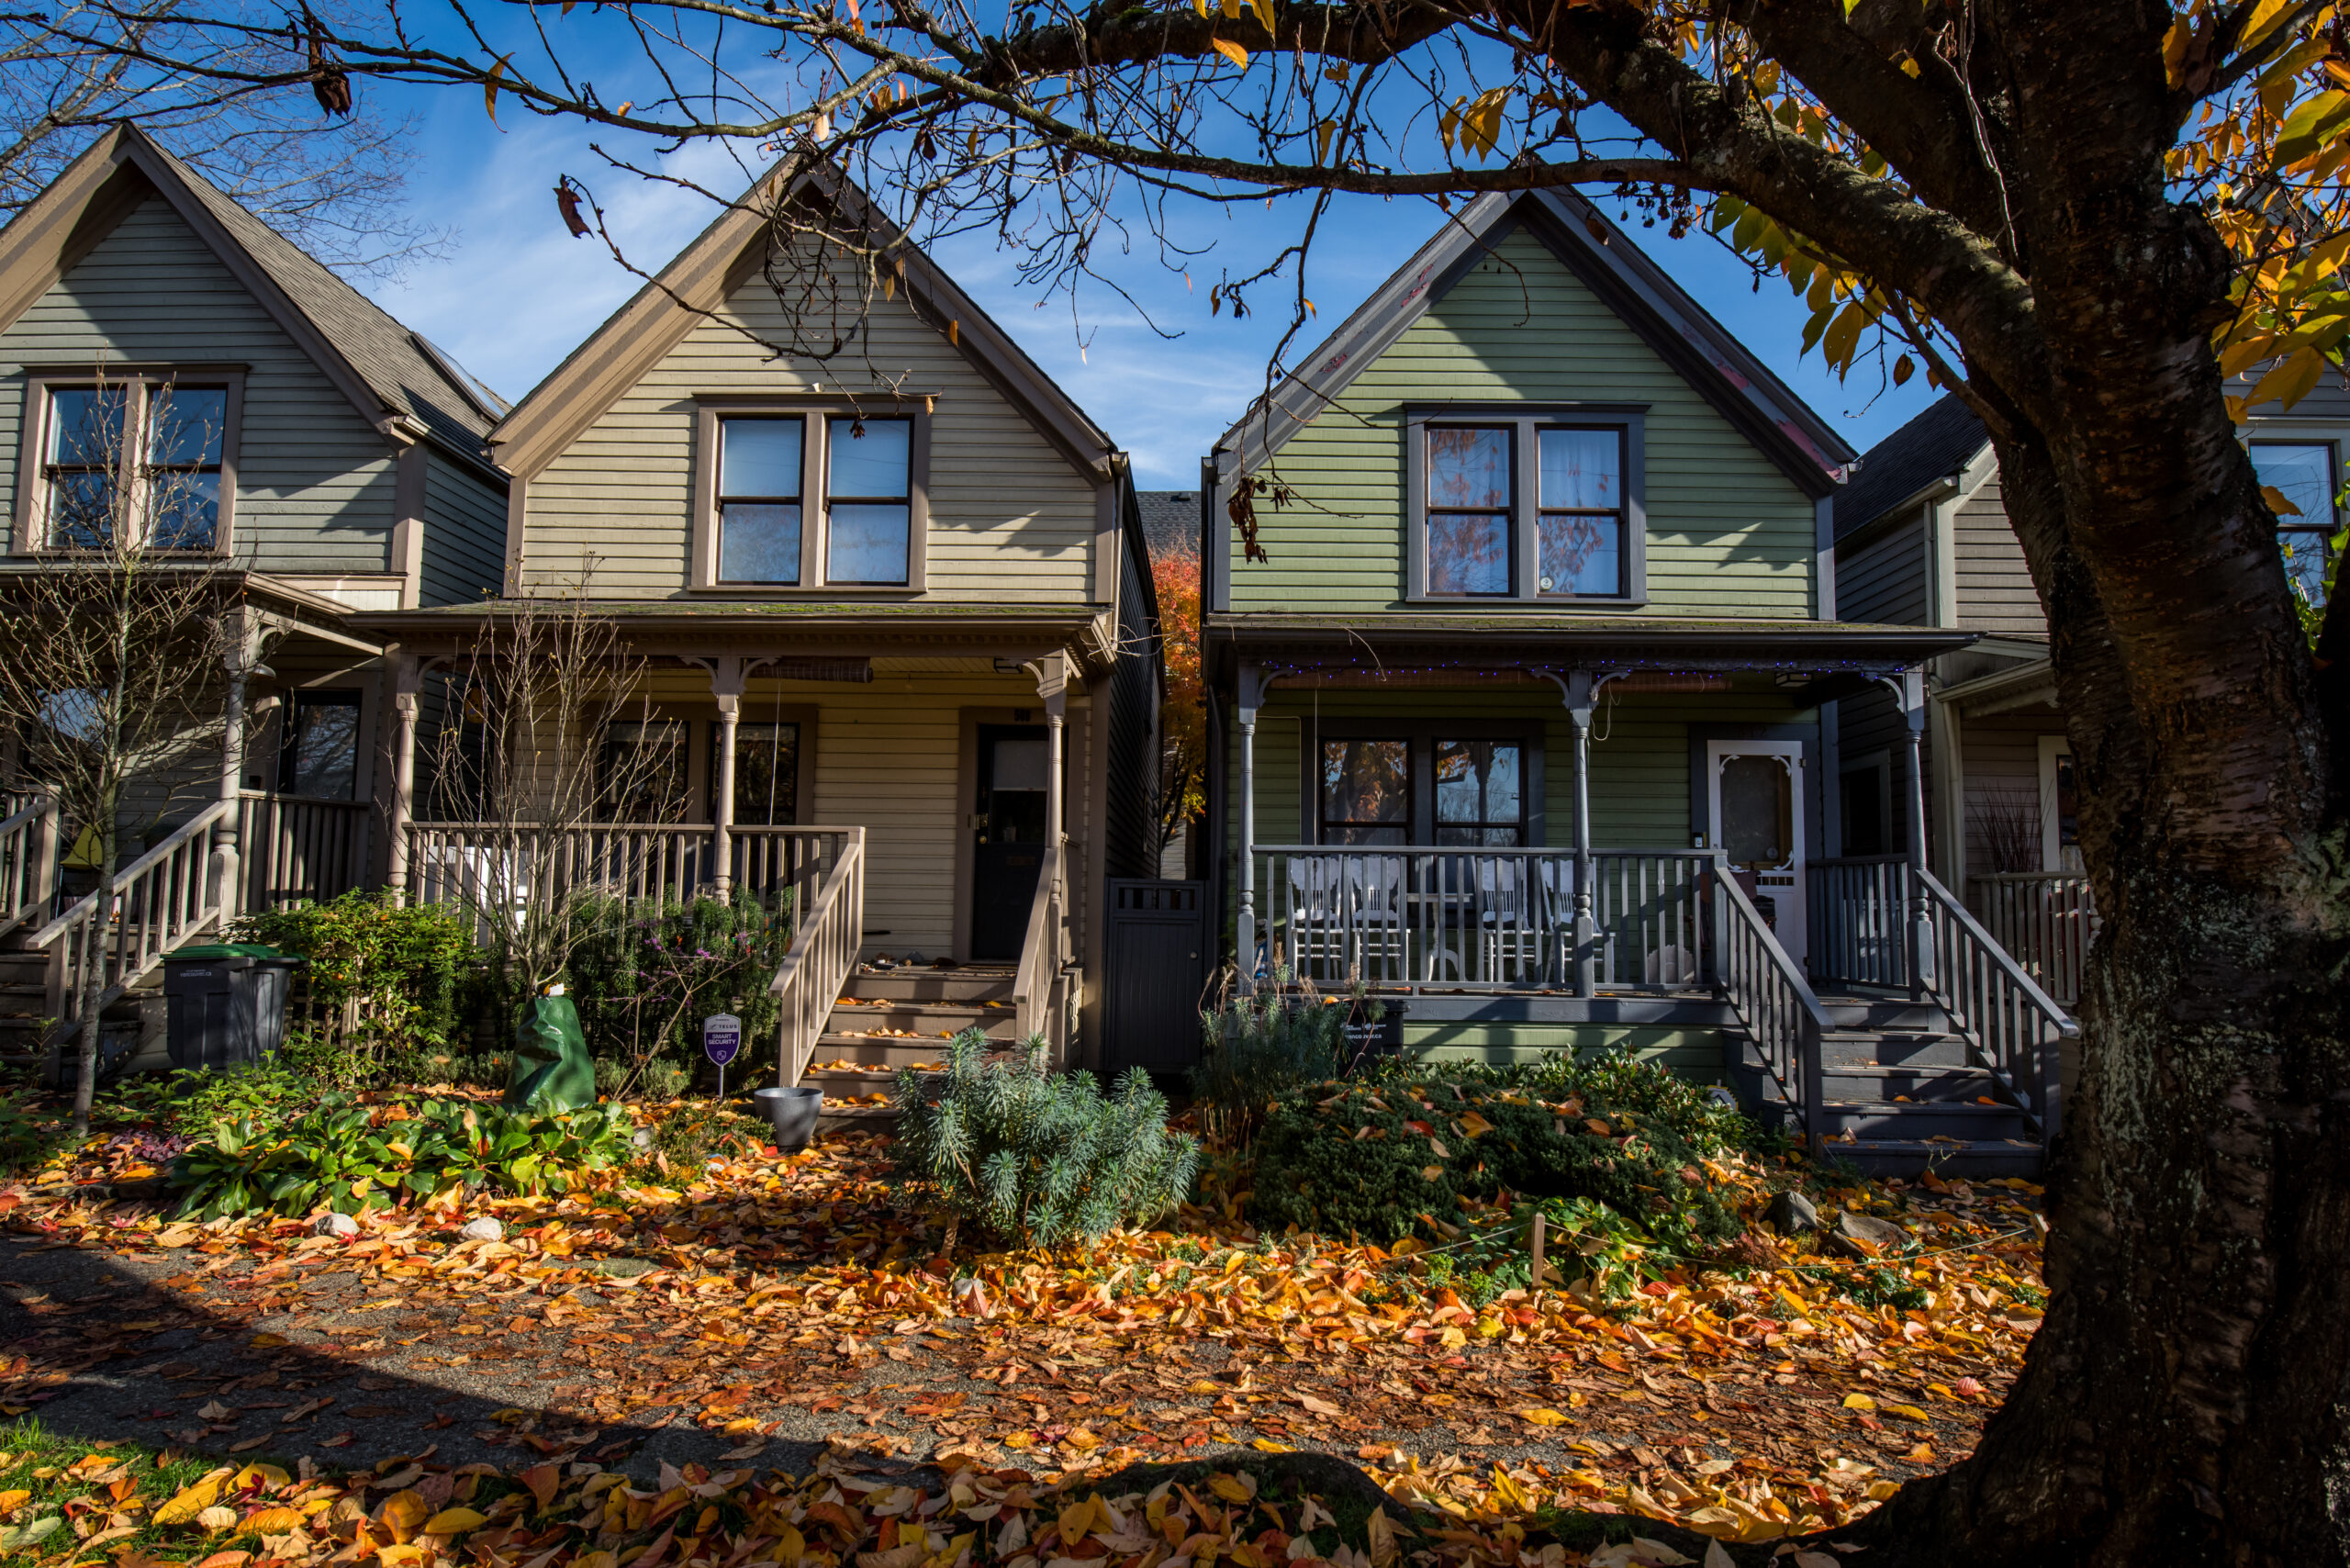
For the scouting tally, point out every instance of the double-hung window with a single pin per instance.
(2303, 473)
(1526, 504)
(812, 497)
(148, 456)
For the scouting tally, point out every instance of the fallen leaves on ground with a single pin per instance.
(1757, 1402)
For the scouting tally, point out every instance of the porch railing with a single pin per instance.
(821, 955)
(28, 861)
(1865, 910)
(499, 864)
(297, 850)
(2047, 920)
(160, 900)
(1782, 1015)
(1479, 919)
(1040, 990)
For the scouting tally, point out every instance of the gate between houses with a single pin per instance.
(1158, 952)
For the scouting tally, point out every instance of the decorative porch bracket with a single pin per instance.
(1909, 688)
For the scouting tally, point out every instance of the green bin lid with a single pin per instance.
(202, 951)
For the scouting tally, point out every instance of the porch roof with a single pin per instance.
(735, 626)
(1513, 639)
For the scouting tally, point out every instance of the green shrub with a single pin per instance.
(194, 1100)
(381, 975)
(352, 1158)
(1260, 1047)
(26, 1140)
(645, 976)
(693, 1134)
(1037, 1158)
(1386, 1159)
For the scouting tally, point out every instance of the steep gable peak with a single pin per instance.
(1605, 260)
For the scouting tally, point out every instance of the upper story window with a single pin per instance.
(1526, 504)
(2303, 473)
(820, 498)
(153, 454)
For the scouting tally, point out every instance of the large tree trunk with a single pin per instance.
(2186, 1399)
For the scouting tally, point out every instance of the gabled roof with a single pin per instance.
(1933, 445)
(379, 365)
(1171, 519)
(1705, 352)
(635, 337)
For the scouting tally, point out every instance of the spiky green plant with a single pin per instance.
(1037, 1158)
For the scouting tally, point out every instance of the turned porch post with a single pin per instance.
(726, 684)
(237, 660)
(1910, 690)
(1252, 695)
(407, 677)
(1580, 689)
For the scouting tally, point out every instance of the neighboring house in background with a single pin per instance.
(1519, 672)
(895, 591)
(1171, 527)
(341, 452)
(1922, 539)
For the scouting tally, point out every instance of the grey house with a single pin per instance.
(1923, 540)
(337, 465)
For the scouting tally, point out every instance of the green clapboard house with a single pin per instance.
(1520, 616)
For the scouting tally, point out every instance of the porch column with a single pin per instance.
(1912, 693)
(1252, 695)
(1579, 689)
(726, 684)
(1052, 685)
(236, 661)
(407, 674)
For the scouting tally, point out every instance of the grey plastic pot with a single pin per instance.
(792, 1113)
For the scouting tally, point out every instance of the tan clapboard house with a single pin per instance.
(887, 582)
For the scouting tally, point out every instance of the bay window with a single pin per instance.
(1526, 504)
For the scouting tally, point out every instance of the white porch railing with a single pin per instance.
(2046, 919)
(1783, 1017)
(494, 865)
(160, 900)
(28, 861)
(1043, 987)
(295, 850)
(821, 955)
(1477, 919)
(1864, 930)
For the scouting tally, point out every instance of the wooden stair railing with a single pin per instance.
(28, 861)
(821, 959)
(1044, 951)
(1772, 998)
(160, 900)
(2014, 1028)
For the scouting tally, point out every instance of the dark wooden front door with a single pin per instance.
(1008, 847)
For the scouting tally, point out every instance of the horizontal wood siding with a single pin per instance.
(1883, 583)
(1131, 846)
(1729, 533)
(1010, 520)
(2002, 756)
(314, 479)
(1995, 588)
(464, 534)
(1691, 1052)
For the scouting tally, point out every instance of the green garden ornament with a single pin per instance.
(551, 1072)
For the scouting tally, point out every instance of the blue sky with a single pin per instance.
(518, 293)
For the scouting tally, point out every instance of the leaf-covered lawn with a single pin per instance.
(785, 1312)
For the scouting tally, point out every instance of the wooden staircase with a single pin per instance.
(888, 1018)
(1900, 1094)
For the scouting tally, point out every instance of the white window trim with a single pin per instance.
(32, 537)
(1524, 419)
(814, 536)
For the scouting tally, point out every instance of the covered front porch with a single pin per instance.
(1562, 834)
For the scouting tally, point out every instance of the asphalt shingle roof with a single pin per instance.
(1170, 519)
(1940, 441)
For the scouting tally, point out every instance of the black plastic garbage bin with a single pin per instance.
(225, 1002)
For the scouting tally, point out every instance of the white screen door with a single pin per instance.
(1755, 813)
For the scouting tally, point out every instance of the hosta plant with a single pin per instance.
(1036, 1158)
(352, 1158)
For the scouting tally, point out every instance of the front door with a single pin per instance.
(1008, 846)
(1756, 807)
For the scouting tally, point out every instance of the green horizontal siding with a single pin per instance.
(1694, 1053)
(1729, 533)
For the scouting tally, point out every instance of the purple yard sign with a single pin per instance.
(721, 1038)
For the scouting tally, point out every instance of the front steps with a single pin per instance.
(890, 1018)
(1899, 1095)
